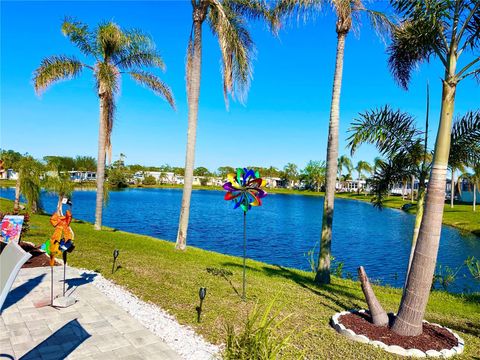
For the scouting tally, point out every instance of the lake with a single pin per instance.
(280, 232)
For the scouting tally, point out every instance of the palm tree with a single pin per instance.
(30, 172)
(442, 30)
(290, 174)
(344, 162)
(227, 20)
(11, 160)
(115, 52)
(361, 167)
(347, 12)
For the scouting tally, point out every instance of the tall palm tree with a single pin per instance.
(347, 13)
(362, 166)
(443, 30)
(290, 174)
(114, 52)
(228, 22)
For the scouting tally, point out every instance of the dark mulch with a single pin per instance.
(38, 259)
(432, 338)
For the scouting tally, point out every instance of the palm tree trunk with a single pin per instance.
(418, 222)
(474, 196)
(411, 189)
(419, 281)
(323, 270)
(102, 132)
(16, 204)
(452, 188)
(193, 97)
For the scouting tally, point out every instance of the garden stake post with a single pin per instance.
(51, 286)
(244, 189)
(64, 255)
(244, 254)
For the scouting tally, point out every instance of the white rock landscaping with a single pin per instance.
(180, 338)
(398, 350)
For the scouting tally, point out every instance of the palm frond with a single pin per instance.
(53, 69)
(236, 46)
(110, 41)
(412, 43)
(471, 26)
(254, 10)
(138, 50)
(155, 84)
(382, 24)
(465, 140)
(389, 130)
(388, 174)
(299, 9)
(79, 34)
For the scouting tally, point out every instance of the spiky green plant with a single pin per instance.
(114, 52)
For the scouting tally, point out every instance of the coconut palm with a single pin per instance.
(348, 13)
(114, 52)
(442, 30)
(228, 22)
(362, 166)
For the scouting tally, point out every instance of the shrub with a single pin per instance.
(149, 180)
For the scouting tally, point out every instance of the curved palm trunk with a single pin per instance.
(419, 281)
(323, 270)
(193, 97)
(452, 188)
(418, 222)
(101, 160)
(16, 204)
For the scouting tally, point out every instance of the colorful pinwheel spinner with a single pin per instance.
(244, 189)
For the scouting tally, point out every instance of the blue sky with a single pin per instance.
(285, 118)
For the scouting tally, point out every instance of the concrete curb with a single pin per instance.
(394, 349)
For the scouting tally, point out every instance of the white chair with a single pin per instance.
(12, 259)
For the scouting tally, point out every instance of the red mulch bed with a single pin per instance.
(432, 338)
(38, 259)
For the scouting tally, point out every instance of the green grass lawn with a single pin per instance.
(155, 272)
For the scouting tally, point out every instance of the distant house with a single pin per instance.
(466, 195)
(81, 176)
(272, 182)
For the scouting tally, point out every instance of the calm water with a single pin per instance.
(279, 232)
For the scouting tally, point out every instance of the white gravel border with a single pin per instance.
(394, 349)
(180, 338)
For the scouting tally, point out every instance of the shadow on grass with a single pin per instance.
(67, 339)
(21, 291)
(334, 296)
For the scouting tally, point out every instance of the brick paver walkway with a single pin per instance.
(93, 328)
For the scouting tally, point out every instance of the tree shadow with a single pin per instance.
(341, 296)
(69, 337)
(21, 291)
(84, 278)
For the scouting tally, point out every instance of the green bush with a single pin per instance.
(149, 180)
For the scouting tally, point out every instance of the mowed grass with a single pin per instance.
(155, 272)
